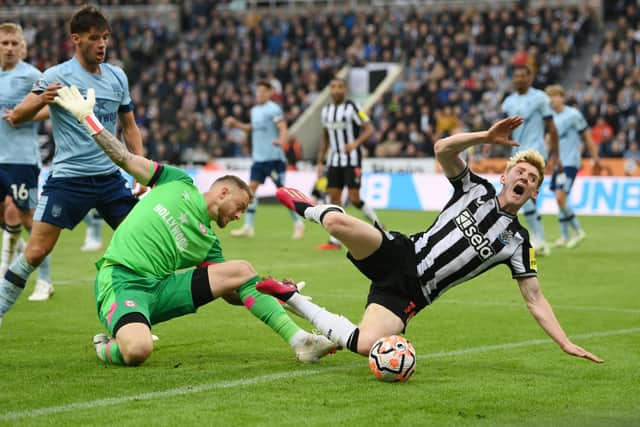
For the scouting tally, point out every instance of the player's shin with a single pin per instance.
(269, 311)
(12, 284)
(534, 221)
(10, 237)
(337, 328)
(251, 212)
(564, 225)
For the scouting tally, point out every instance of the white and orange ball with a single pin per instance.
(392, 358)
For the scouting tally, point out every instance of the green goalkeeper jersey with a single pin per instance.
(169, 229)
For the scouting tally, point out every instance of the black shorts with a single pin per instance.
(343, 176)
(394, 278)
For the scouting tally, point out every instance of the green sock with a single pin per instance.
(268, 309)
(110, 353)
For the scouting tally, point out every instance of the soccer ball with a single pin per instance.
(392, 359)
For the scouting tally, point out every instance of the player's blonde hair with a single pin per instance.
(11, 28)
(528, 156)
(554, 90)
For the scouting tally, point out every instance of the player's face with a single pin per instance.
(521, 79)
(263, 94)
(92, 45)
(338, 90)
(556, 101)
(233, 204)
(520, 184)
(10, 49)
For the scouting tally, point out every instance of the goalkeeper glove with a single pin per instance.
(72, 100)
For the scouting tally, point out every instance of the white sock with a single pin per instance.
(9, 243)
(334, 240)
(315, 213)
(337, 328)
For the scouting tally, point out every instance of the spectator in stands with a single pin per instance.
(602, 134)
(632, 159)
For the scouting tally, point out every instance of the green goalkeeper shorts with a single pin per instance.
(120, 291)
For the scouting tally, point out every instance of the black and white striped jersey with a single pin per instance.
(470, 236)
(343, 122)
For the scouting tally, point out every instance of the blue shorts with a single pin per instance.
(273, 169)
(21, 183)
(66, 201)
(570, 173)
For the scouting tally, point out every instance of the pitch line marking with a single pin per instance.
(181, 391)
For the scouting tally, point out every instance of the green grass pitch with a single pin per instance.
(482, 359)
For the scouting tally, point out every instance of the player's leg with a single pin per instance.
(394, 297)
(335, 184)
(93, 233)
(134, 341)
(563, 221)
(41, 242)
(278, 174)
(377, 321)
(360, 238)
(367, 211)
(29, 179)
(534, 221)
(568, 212)
(64, 202)
(10, 235)
(258, 176)
(123, 300)
(44, 287)
(241, 277)
(16, 187)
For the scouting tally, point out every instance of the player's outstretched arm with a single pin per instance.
(33, 104)
(543, 313)
(448, 149)
(71, 100)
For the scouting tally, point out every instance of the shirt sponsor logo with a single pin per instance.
(203, 228)
(469, 227)
(103, 113)
(335, 125)
(505, 237)
(174, 226)
(56, 211)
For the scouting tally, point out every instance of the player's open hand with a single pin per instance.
(578, 351)
(499, 133)
(72, 100)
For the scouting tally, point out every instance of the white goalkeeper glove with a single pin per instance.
(72, 100)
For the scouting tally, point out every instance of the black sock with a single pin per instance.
(352, 342)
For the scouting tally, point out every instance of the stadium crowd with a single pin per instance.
(457, 69)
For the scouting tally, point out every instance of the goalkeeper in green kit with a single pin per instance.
(138, 285)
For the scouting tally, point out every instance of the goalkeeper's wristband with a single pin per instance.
(92, 124)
